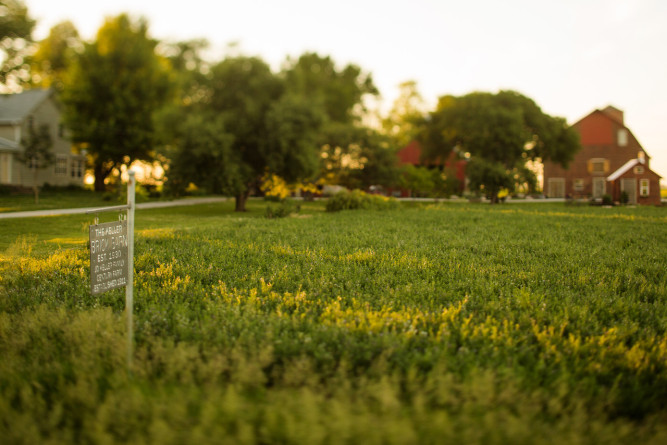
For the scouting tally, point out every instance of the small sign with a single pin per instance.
(108, 256)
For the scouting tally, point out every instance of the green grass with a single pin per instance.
(64, 198)
(430, 324)
(50, 233)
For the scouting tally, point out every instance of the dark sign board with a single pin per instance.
(108, 256)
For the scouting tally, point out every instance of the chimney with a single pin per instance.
(614, 113)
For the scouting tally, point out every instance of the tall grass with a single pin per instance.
(445, 323)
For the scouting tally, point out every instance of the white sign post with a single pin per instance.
(112, 257)
(129, 289)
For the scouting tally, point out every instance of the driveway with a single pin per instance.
(143, 205)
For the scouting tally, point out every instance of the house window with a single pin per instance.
(77, 168)
(61, 165)
(578, 185)
(643, 188)
(622, 137)
(598, 166)
(639, 170)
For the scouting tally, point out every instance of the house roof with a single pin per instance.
(7, 145)
(16, 107)
(613, 114)
(626, 167)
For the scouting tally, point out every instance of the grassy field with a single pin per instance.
(64, 198)
(449, 323)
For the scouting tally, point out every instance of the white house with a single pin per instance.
(18, 112)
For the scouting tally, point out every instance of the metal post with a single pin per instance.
(129, 303)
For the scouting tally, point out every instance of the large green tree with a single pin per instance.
(201, 152)
(499, 133)
(111, 94)
(15, 34)
(187, 77)
(351, 154)
(339, 91)
(260, 128)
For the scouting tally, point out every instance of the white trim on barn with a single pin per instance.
(624, 169)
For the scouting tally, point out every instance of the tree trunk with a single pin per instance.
(241, 199)
(494, 195)
(100, 176)
(35, 187)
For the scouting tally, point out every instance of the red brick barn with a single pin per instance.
(611, 162)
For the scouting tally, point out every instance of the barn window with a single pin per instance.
(598, 166)
(643, 188)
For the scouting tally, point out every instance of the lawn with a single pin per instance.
(64, 198)
(440, 323)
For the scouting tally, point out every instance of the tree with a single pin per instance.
(500, 133)
(407, 112)
(242, 91)
(201, 153)
(260, 129)
(488, 176)
(188, 71)
(53, 56)
(111, 94)
(340, 92)
(422, 181)
(359, 157)
(350, 154)
(15, 34)
(291, 151)
(37, 153)
(187, 78)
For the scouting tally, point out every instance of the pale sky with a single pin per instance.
(570, 56)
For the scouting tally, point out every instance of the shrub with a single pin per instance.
(607, 200)
(357, 199)
(286, 208)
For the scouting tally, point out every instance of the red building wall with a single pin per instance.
(601, 140)
(411, 154)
